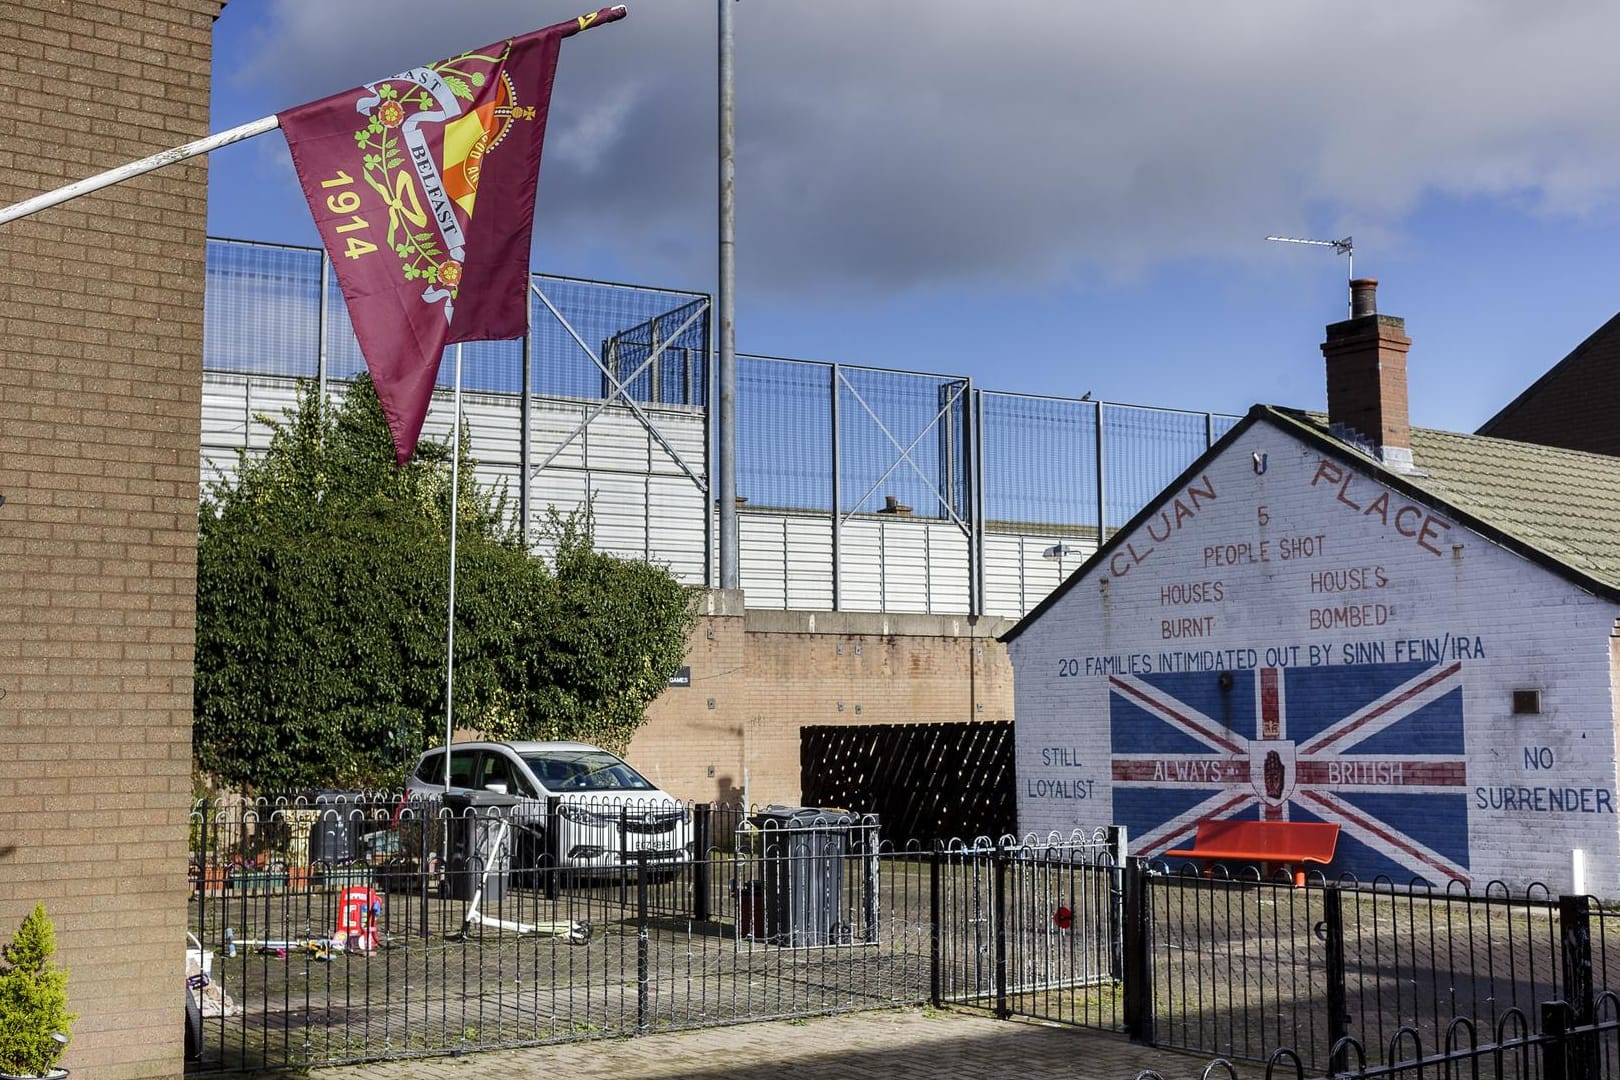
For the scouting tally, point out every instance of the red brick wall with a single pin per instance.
(759, 676)
(1574, 404)
(100, 376)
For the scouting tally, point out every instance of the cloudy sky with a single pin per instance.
(1054, 197)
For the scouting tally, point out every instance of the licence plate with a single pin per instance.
(653, 845)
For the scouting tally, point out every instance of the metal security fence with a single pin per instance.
(340, 927)
(865, 489)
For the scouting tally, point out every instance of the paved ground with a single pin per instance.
(863, 1046)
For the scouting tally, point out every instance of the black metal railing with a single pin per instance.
(342, 927)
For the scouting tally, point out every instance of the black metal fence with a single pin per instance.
(344, 928)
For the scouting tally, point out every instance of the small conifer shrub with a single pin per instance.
(34, 1017)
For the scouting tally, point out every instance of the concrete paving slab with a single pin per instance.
(882, 1045)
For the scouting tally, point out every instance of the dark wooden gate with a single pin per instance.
(925, 782)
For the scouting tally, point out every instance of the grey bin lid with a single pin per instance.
(801, 817)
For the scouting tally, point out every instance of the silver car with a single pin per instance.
(580, 807)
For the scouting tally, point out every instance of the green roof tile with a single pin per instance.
(1564, 504)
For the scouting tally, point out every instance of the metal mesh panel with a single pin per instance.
(1040, 460)
(893, 442)
(261, 309)
(784, 433)
(1143, 450)
(620, 321)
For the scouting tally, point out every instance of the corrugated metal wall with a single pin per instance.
(647, 507)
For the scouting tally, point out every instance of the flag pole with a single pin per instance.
(133, 169)
(450, 633)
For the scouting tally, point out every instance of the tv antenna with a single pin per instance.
(1344, 247)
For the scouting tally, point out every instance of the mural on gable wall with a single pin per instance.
(1287, 639)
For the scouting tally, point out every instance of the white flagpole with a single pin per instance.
(450, 634)
(136, 168)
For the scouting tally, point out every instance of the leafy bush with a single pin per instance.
(33, 999)
(322, 581)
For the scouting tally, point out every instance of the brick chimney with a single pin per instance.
(1366, 377)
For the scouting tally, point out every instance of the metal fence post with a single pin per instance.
(1138, 966)
(1338, 1020)
(553, 845)
(999, 904)
(936, 939)
(1554, 1040)
(702, 844)
(1118, 850)
(1575, 937)
(642, 973)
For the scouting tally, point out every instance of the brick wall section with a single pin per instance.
(759, 676)
(100, 381)
(1573, 405)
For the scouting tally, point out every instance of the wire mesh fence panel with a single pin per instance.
(571, 321)
(1040, 460)
(784, 433)
(1143, 451)
(261, 309)
(901, 443)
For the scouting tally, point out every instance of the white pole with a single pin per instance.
(136, 168)
(1578, 861)
(450, 633)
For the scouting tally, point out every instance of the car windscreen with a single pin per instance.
(585, 770)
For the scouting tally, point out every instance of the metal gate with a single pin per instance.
(1032, 928)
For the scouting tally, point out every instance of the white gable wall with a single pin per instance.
(1372, 650)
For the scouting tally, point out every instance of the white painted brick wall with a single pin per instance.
(1485, 796)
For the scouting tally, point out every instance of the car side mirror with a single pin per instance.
(499, 789)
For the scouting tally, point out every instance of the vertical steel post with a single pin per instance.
(976, 601)
(643, 976)
(1002, 857)
(1138, 962)
(526, 432)
(727, 302)
(935, 936)
(1119, 850)
(1575, 934)
(702, 845)
(321, 326)
(1102, 501)
(553, 839)
(1555, 1041)
(837, 491)
(1338, 1018)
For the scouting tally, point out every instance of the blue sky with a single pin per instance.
(1063, 199)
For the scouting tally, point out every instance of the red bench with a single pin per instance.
(1269, 843)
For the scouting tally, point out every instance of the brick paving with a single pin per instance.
(880, 1045)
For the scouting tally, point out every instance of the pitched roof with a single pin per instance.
(1558, 508)
(1571, 404)
(1561, 504)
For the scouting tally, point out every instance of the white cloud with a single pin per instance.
(922, 142)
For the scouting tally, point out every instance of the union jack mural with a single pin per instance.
(1376, 748)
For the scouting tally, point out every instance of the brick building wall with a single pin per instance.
(757, 677)
(1284, 637)
(100, 376)
(1573, 404)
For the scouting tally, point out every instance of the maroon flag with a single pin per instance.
(394, 171)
